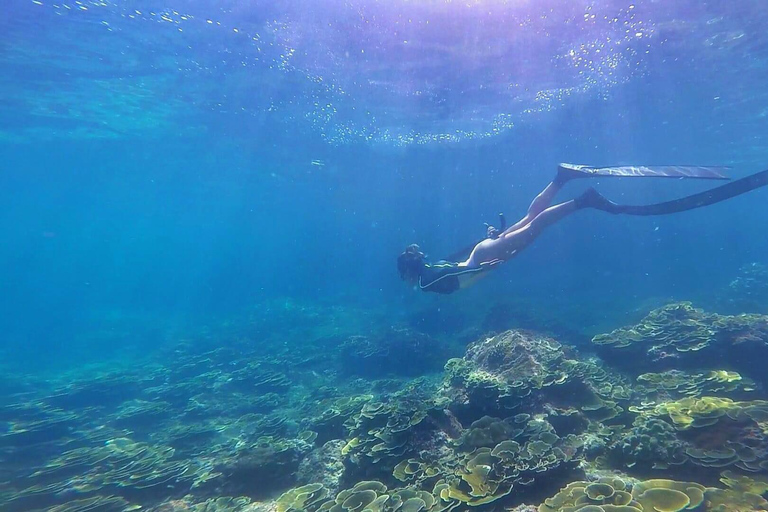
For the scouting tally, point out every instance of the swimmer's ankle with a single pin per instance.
(591, 198)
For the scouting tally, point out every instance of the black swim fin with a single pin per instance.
(706, 198)
(574, 171)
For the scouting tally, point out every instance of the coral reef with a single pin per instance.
(679, 384)
(518, 371)
(681, 335)
(719, 432)
(520, 422)
(196, 423)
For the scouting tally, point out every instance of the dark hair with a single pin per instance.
(410, 263)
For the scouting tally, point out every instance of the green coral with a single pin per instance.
(680, 384)
(718, 432)
(611, 495)
(604, 495)
(367, 496)
(488, 473)
(651, 443)
(679, 326)
(515, 369)
(679, 330)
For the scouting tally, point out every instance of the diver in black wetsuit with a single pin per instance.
(447, 276)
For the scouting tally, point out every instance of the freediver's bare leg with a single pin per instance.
(510, 242)
(539, 203)
(525, 235)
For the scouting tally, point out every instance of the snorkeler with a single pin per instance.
(500, 245)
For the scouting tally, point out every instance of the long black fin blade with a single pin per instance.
(646, 171)
(706, 198)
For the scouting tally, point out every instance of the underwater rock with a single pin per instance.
(188, 439)
(195, 413)
(373, 495)
(754, 484)
(105, 503)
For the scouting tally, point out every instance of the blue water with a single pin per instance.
(202, 203)
(171, 166)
